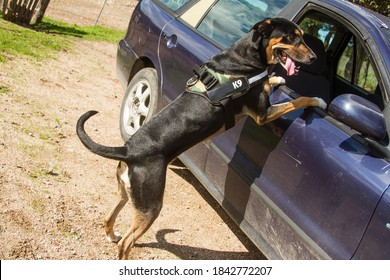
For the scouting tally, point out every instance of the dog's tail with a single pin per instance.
(117, 153)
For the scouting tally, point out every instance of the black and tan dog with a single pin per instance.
(191, 118)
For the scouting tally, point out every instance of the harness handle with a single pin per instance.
(232, 89)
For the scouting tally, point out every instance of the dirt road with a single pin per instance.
(55, 194)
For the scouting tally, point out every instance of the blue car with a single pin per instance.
(313, 184)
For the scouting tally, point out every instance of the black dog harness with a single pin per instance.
(220, 89)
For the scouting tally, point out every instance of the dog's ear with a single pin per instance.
(264, 27)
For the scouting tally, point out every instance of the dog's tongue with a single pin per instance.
(290, 67)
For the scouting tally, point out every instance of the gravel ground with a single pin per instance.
(55, 193)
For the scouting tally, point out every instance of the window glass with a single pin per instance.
(344, 67)
(174, 5)
(229, 20)
(354, 66)
(324, 31)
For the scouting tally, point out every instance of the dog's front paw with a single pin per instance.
(276, 80)
(321, 103)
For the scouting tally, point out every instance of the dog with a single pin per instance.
(191, 118)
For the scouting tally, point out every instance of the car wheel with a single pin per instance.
(140, 102)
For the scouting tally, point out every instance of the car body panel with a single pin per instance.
(376, 244)
(302, 187)
(191, 47)
(330, 185)
(142, 39)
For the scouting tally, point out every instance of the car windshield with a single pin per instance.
(229, 20)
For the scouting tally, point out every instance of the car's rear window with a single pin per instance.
(174, 5)
(229, 20)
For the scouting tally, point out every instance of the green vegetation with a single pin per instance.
(380, 6)
(4, 89)
(17, 40)
(43, 40)
(93, 33)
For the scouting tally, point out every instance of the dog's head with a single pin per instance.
(283, 43)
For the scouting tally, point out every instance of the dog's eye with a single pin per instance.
(291, 37)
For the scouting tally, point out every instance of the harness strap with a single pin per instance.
(229, 88)
(228, 106)
(208, 80)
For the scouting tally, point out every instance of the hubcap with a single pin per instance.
(137, 107)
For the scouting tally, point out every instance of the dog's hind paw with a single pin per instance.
(115, 237)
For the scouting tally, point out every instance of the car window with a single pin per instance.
(229, 20)
(320, 29)
(355, 67)
(174, 5)
(354, 64)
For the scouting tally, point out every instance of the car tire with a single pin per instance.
(140, 102)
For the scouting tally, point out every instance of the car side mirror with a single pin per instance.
(360, 114)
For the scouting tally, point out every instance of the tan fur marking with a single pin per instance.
(273, 42)
(298, 32)
(141, 223)
(109, 220)
(278, 110)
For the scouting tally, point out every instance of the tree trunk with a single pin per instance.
(24, 11)
(40, 12)
(3, 4)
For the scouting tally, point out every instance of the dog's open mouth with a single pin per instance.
(287, 62)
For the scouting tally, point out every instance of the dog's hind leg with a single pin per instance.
(147, 188)
(123, 186)
(141, 223)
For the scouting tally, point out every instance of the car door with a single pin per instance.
(326, 181)
(305, 186)
(332, 180)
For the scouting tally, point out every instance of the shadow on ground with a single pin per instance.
(253, 252)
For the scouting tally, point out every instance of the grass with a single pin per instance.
(93, 33)
(4, 90)
(44, 40)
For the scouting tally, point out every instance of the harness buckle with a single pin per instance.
(210, 83)
(201, 73)
(192, 81)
